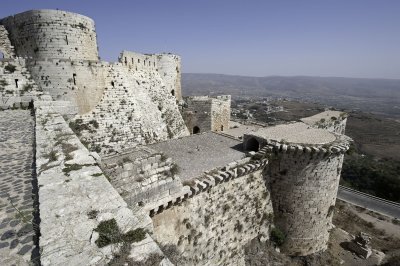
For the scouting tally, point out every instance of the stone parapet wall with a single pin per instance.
(220, 213)
(17, 88)
(75, 196)
(52, 34)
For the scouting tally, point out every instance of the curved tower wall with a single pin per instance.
(304, 183)
(169, 67)
(52, 34)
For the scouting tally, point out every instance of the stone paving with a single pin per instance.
(16, 195)
(200, 152)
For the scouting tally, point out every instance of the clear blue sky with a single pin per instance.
(359, 38)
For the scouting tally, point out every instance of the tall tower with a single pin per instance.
(303, 176)
(41, 34)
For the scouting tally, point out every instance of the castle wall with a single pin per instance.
(52, 34)
(206, 113)
(135, 108)
(142, 176)
(17, 88)
(82, 82)
(138, 61)
(220, 113)
(197, 114)
(5, 45)
(304, 185)
(75, 196)
(212, 227)
(169, 67)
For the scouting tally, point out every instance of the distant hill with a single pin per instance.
(379, 96)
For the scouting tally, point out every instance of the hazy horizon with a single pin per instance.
(356, 39)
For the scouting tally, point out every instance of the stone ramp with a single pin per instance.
(16, 194)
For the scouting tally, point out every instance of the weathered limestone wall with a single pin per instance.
(206, 113)
(52, 34)
(169, 67)
(210, 224)
(5, 45)
(75, 197)
(197, 113)
(220, 113)
(138, 61)
(17, 88)
(135, 108)
(81, 82)
(142, 176)
(304, 183)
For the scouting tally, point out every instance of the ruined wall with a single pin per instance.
(197, 113)
(220, 214)
(5, 45)
(304, 183)
(220, 113)
(17, 88)
(206, 113)
(52, 34)
(169, 67)
(142, 176)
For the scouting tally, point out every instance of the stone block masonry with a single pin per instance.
(75, 197)
(5, 45)
(17, 88)
(211, 223)
(52, 34)
(203, 113)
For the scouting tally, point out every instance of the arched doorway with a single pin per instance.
(252, 145)
(222, 128)
(196, 130)
(1, 55)
(173, 92)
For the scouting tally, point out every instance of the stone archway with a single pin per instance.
(252, 145)
(196, 130)
(173, 92)
(1, 55)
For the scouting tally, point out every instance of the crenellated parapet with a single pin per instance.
(303, 176)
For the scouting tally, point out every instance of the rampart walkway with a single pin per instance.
(16, 195)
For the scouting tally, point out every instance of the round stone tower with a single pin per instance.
(56, 34)
(303, 176)
(169, 67)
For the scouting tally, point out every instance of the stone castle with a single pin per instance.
(117, 144)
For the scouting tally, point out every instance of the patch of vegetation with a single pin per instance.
(175, 169)
(78, 126)
(10, 68)
(109, 233)
(380, 178)
(97, 174)
(94, 123)
(277, 236)
(73, 167)
(3, 83)
(52, 156)
(92, 214)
